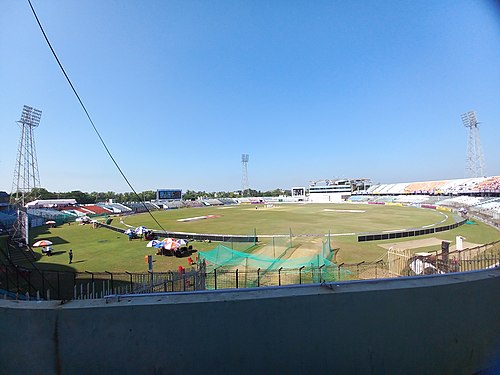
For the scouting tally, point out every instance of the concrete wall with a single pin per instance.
(444, 324)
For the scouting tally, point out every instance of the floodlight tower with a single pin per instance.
(475, 162)
(26, 177)
(244, 174)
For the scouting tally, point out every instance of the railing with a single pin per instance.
(26, 283)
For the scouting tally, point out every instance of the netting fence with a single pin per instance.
(246, 272)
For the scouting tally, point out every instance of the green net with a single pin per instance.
(238, 269)
(223, 256)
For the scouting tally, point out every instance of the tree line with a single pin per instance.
(149, 195)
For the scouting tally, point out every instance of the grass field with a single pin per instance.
(105, 250)
(299, 218)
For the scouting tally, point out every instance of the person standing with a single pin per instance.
(70, 255)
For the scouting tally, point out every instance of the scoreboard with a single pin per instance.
(168, 194)
(298, 192)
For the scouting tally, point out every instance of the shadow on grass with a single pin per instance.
(57, 240)
(58, 252)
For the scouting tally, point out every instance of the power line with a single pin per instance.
(88, 115)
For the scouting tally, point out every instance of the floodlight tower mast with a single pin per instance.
(244, 174)
(26, 176)
(475, 161)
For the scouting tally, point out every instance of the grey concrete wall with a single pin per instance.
(444, 324)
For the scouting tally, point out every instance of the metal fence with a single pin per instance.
(23, 283)
(65, 285)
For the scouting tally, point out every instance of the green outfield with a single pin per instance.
(299, 218)
(105, 250)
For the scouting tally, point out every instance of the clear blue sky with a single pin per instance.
(309, 89)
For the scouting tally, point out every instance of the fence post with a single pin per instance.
(319, 273)
(215, 278)
(236, 278)
(172, 279)
(376, 268)
(112, 291)
(131, 283)
(300, 274)
(151, 280)
(92, 279)
(357, 269)
(338, 269)
(274, 250)
(258, 277)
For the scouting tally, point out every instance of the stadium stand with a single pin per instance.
(491, 184)
(397, 189)
(212, 202)
(384, 189)
(7, 218)
(4, 200)
(442, 187)
(359, 198)
(74, 213)
(195, 203)
(467, 186)
(133, 207)
(50, 214)
(51, 203)
(372, 189)
(491, 205)
(383, 199)
(427, 187)
(173, 204)
(412, 199)
(95, 209)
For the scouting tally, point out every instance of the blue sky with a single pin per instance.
(310, 90)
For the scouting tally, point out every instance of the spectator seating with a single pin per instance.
(491, 184)
(95, 209)
(212, 202)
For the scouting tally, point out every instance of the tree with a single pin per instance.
(42, 193)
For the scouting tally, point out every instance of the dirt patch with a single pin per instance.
(307, 249)
(189, 219)
(263, 208)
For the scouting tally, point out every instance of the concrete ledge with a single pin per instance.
(420, 325)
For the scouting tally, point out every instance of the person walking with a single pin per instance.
(70, 255)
